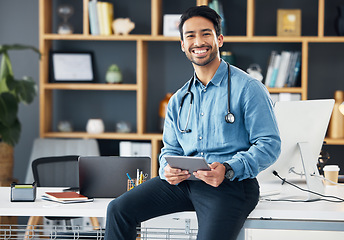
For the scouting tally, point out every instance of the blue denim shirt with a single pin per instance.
(249, 145)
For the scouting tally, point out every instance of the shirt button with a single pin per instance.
(200, 138)
(202, 114)
(202, 153)
(204, 90)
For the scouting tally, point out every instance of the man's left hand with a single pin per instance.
(214, 177)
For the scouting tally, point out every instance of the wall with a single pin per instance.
(19, 24)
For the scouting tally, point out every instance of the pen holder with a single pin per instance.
(130, 184)
(23, 192)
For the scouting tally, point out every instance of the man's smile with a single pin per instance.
(200, 51)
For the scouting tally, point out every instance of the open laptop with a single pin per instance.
(105, 176)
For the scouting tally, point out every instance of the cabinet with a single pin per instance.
(142, 42)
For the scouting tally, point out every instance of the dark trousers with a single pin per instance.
(221, 212)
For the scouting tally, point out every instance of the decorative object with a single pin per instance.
(255, 71)
(336, 126)
(171, 23)
(65, 126)
(162, 110)
(123, 127)
(288, 22)
(113, 74)
(65, 12)
(228, 57)
(12, 93)
(71, 67)
(340, 21)
(95, 126)
(122, 26)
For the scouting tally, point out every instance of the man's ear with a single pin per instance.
(220, 40)
(182, 45)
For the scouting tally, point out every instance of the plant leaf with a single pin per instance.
(25, 90)
(8, 109)
(4, 48)
(6, 73)
(10, 135)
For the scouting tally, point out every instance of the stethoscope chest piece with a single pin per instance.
(230, 118)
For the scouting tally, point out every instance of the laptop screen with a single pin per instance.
(106, 176)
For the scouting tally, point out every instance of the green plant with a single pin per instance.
(13, 92)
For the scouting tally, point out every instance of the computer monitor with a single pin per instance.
(302, 126)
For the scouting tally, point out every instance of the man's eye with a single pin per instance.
(189, 36)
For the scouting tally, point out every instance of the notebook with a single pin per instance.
(105, 176)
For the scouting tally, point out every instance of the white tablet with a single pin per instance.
(192, 164)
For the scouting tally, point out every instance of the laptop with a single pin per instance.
(106, 176)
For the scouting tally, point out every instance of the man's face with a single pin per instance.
(200, 43)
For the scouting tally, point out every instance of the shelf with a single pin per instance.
(143, 37)
(286, 90)
(105, 135)
(333, 141)
(90, 86)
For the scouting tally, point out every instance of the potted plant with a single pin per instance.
(12, 93)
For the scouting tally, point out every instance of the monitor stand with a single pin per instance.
(310, 181)
(313, 180)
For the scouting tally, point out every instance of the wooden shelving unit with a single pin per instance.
(46, 37)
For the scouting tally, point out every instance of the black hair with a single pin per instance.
(201, 11)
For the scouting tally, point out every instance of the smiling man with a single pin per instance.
(230, 122)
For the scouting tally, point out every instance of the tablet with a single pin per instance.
(192, 164)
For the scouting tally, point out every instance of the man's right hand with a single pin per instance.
(175, 175)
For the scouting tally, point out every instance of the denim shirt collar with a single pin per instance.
(217, 79)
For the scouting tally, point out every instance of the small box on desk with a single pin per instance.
(23, 192)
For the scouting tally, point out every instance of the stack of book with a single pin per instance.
(283, 69)
(66, 197)
(100, 16)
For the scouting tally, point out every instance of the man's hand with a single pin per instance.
(214, 177)
(175, 175)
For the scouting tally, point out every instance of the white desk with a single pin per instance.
(267, 215)
(45, 208)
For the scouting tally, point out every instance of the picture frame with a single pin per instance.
(71, 67)
(171, 23)
(289, 22)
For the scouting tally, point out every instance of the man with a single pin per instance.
(237, 147)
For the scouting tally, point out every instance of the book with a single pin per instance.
(270, 68)
(290, 70)
(105, 17)
(100, 18)
(65, 196)
(93, 17)
(274, 74)
(44, 197)
(283, 69)
(295, 74)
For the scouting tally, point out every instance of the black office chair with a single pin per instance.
(60, 171)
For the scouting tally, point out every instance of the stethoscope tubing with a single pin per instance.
(229, 118)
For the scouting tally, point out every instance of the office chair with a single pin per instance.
(48, 147)
(57, 171)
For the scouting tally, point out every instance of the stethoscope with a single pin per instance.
(229, 118)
